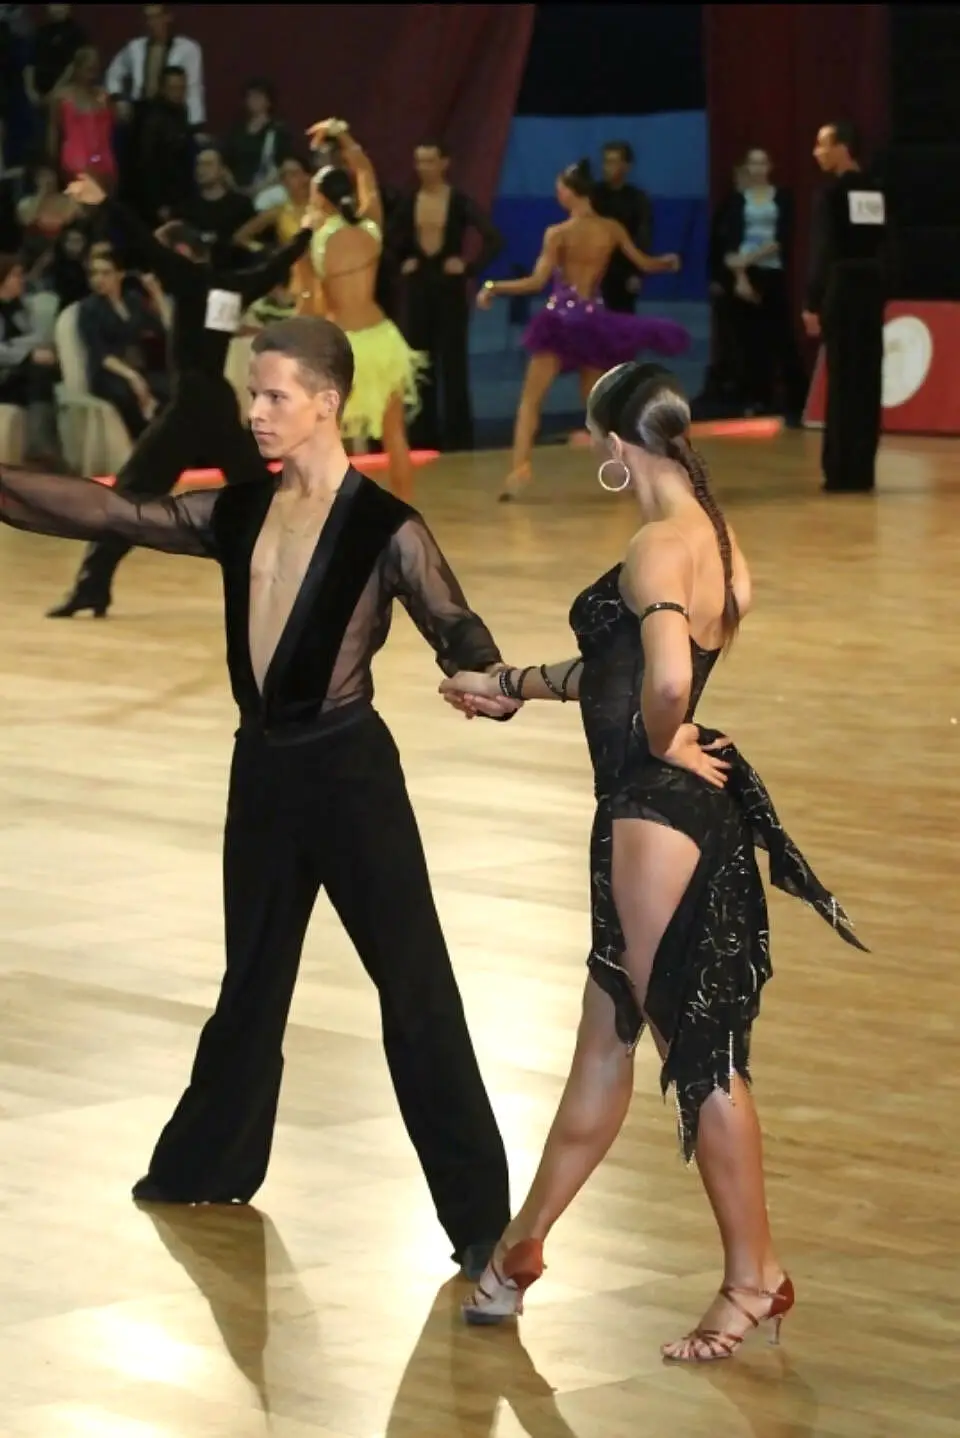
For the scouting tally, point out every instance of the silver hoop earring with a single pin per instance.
(613, 488)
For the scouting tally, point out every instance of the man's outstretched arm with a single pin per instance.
(67, 508)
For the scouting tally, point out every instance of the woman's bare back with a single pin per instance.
(351, 260)
(584, 245)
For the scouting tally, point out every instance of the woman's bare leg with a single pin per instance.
(591, 1113)
(648, 859)
(598, 1091)
(581, 438)
(397, 450)
(588, 378)
(541, 373)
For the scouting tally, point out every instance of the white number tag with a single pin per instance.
(223, 311)
(867, 207)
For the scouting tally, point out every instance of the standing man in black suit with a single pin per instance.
(844, 307)
(615, 199)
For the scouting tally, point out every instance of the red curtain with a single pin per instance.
(775, 74)
(399, 73)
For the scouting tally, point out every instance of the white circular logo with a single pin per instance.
(907, 353)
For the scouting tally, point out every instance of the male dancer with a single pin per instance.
(844, 305)
(427, 236)
(201, 426)
(311, 565)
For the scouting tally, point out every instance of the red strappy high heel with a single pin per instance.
(718, 1344)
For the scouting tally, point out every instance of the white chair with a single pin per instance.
(12, 434)
(42, 309)
(94, 438)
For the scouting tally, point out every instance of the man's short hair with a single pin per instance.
(845, 133)
(320, 348)
(621, 148)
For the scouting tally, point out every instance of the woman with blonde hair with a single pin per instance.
(81, 122)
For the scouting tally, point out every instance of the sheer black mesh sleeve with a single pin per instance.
(420, 577)
(67, 508)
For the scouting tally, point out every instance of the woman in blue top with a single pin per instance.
(757, 240)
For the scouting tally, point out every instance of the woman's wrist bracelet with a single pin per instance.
(512, 688)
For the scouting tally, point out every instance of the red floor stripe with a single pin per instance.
(766, 427)
(367, 463)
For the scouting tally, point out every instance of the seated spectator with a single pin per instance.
(123, 336)
(66, 274)
(257, 146)
(282, 221)
(218, 211)
(45, 210)
(28, 367)
(81, 122)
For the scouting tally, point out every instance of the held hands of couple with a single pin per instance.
(472, 694)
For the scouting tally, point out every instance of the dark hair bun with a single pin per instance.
(336, 185)
(578, 178)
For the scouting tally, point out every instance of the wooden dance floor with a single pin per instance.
(330, 1309)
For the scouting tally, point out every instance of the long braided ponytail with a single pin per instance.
(694, 463)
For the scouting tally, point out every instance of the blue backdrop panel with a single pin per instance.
(670, 150)
(670, 163)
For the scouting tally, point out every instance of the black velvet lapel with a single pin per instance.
(359, 527)
(362, 520)
(237, 520)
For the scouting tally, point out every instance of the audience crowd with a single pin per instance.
(138, 124)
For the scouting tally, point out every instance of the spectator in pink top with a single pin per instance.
(81, 122)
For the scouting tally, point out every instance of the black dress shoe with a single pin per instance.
(78, 603)
(147, 1190)
(474, 1259)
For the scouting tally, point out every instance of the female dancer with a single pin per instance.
(286, 221)
(679, 915)
(576, 331)
(345, 253)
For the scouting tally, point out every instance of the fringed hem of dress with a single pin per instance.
(714, 959)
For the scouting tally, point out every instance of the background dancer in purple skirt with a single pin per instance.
(576, 331)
